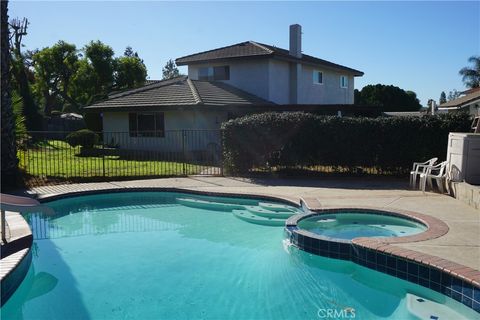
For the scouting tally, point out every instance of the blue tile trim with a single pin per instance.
(424, 275)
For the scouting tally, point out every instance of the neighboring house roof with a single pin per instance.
(179, 92)
(251, 49)
(463, 101)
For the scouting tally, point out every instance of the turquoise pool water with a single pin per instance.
(347, 225)
(159, 256)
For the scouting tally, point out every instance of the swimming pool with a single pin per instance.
(146, 255)
(349, 225)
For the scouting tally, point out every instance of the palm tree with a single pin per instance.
(9, 148)
(471, 76)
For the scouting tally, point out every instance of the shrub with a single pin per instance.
(298, 139)
(85, 138)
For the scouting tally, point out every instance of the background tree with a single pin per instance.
(101, 58)
(9, 161)
(170, 70)
(443, 98)
(471, 76)
(391, 98)
(454, 94)
(129, 52)
(21, 74)
(130, 72)
(54, 69)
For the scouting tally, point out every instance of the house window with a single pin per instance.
(146, 124)
(214, 73)
(317, 77)
(343, 81)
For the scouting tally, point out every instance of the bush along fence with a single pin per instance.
(89, 156)
(297, 142)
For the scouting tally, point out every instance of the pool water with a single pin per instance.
(147, 256)
(348, 226)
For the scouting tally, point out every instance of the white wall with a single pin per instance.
(279, 82)
(329, 92)
(116, 131)
(270, 79)
(249, 75)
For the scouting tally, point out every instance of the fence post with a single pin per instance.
(184, 157)
(221, 153)
(103, 155)
(4, 228)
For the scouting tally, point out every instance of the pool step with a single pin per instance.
(426, 309)
(269, 213)
(276, 207)
(209, 205)
(246, 215)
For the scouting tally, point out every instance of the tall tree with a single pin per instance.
(9, 163)
(54, 69)
(20, 72)
(391, 98)
(471, 76)
(170, 70)
(443, 98)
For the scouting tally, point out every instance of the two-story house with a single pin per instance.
(229, 81)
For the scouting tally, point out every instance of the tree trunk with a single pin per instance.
(9, 148)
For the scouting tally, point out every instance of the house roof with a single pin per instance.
(180, 91)
(462, 101)
(253, 49)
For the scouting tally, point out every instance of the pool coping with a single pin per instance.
(15, 255)
(454, 270)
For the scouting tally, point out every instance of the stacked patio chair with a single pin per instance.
(418, 169)
(438, 173)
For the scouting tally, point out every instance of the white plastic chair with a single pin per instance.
(437, 173)
(419, 168)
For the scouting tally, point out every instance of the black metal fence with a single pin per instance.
(50, 156)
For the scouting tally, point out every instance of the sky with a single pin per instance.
(418, 46)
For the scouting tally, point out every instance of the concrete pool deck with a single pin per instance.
(461, 244)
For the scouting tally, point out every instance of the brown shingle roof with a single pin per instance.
(256, 49)
(180, 91)
(475, 95)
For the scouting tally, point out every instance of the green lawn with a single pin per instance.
(57, 159)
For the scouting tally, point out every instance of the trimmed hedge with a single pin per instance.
(85, 138)
(296, 139)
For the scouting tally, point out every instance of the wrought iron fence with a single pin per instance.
(112, 155)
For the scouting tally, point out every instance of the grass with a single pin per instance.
(56, 159)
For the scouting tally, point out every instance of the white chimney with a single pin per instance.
(296, 40)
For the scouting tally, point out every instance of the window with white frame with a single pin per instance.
(343, 81)
(317, 77)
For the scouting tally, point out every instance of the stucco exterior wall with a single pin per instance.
(330, 92)
(270, 79)
(279, 82)
(200, 131)
(250, 75)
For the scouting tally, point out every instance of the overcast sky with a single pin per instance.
(417, 46)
